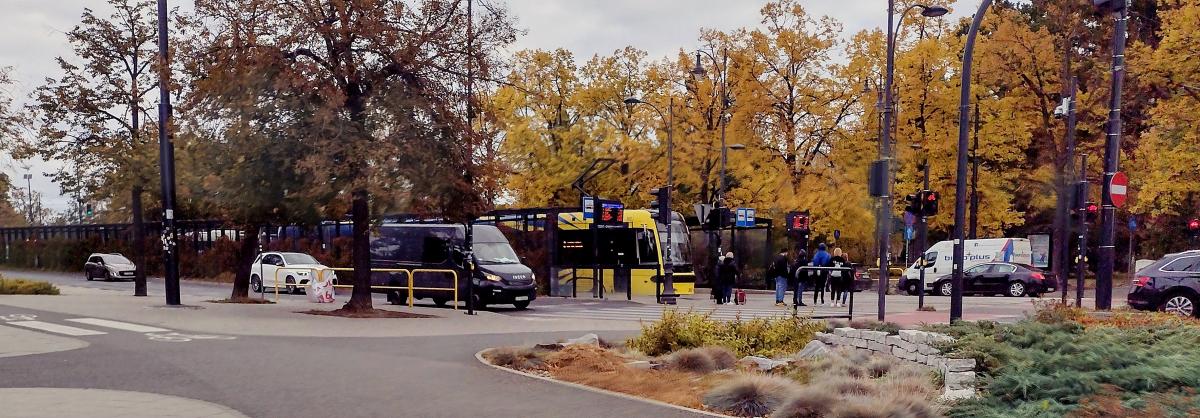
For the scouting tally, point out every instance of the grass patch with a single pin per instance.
(761, 336)
(597, 367)
(372, 313)
(26, 287)
(246, 300)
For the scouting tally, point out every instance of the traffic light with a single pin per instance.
(1194, 227)
(1091, 211)
(914, 204)
(662, 202)
(89, 211)
(929, 202)
(798, 221)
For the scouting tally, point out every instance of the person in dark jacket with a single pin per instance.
(797, 279)
(820, 259)
(779, 272)
(839, 280)
(727, 276)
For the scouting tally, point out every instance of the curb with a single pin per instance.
(479, 356)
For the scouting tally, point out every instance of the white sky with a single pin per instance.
(33, 35)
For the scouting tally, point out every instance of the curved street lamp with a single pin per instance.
(668, 296)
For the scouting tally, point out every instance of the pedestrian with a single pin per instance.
(716, 281)
(798, 278)
(837, 278)
(727, 276)
(820, 278)
(779, 271)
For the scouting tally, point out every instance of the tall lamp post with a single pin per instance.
(166, 162)
(884, 219)
(723, 73)
(29, 196)
(668, 296)
(960, 187)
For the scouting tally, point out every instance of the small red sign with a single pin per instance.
(1118, 189)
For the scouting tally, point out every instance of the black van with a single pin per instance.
(500, 278)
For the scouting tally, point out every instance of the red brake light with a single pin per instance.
(1142, 281)
(1038, 276)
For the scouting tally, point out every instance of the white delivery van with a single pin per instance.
(939, 260)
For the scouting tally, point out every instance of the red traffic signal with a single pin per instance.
(1091, 211)
(1194, 225)
(930, 202)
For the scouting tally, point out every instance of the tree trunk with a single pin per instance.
(139, 244)
(360, 299)
(245, 256)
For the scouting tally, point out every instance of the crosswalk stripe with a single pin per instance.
(56, 328)
(125, 326)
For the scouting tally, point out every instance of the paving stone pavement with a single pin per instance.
(100, 403)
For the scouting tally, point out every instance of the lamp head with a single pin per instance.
(737, 146)
(933, 11)
(633, 100)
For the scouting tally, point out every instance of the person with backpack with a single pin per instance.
(727, 275)
(838, 278)
(820, 259)
(779, 272)
(797, 279)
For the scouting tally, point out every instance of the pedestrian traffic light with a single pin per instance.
(1194, 227)
(88, 210)
(914, 204)
(1091, 211)
(929, 202)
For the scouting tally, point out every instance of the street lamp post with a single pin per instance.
(29, 196)
(884, 218)
(1112, 151)
(715, 243)
(166, 162)
(960, 187)
(668, 297)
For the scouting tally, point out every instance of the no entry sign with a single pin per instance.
(1118, 189)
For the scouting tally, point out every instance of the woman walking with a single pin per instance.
(798, 278)
(838, 278)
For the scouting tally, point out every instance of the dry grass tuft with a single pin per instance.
(520, 358)
(586, 358)
(692, 360)
(808, 402)
(879, 366)
(600, 368)
(721, 356)
(883, 407)
(847, 386)
(750, 395)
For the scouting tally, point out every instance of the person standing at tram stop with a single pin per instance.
(797, 278)
(838, 279)
(820, 259)
(727, 275)
(779, 271)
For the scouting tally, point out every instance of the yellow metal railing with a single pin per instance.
(318, 275)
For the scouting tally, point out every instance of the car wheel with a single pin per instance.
(1016, 289)
(256, 283)
(89, 275)
(522, 305)
(1179, 304)
(946, 288)
(440, 302)
(290, 287)
(912, 288)
(479, 303)
(108, 276)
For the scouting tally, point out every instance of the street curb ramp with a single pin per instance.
(479, 356)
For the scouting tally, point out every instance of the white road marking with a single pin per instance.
(56, 328)
(118, 325)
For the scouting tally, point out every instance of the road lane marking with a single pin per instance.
(125, 326)
(56, 328)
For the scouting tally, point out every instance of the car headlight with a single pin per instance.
(301, 273)
(491, 277)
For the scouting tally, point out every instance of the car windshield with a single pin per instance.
(115, 259)
(298, 258)
(495, 253)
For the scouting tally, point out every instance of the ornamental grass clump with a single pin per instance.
(807, 402)
(26, 287)
(750, 395)
(520, 358)
(691, 360)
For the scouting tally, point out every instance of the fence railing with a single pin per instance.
(318, 275)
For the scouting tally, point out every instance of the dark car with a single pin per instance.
(433, 251)
(1171, 284)
(1009, 279)
(108, 267)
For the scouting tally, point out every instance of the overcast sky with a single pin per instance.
(33, 35)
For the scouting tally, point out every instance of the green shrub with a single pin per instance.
(26, 287)
(770, 337)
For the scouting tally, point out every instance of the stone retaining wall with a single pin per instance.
(914, 347)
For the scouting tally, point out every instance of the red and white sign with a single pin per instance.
(1118, 189)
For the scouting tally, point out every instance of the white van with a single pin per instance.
(940, 259)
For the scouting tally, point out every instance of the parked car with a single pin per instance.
(939, 259)
(1009, 279)
(293, 271)
(1171, 284)
(500, 277)
(111, 266)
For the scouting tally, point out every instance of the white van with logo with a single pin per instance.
(939, 260)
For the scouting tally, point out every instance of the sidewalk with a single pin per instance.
(100, 403)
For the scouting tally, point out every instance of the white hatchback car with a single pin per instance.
(292, 271)
(112, 266)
